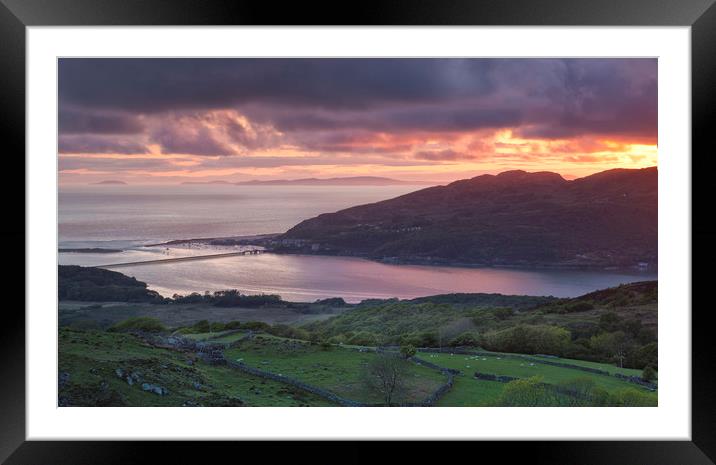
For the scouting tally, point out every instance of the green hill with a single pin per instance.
(586, 327)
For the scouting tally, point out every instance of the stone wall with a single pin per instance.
(442, 390)
(491, 377)
(296, 383)
(636, 380)
(466, 351)
(569, 365)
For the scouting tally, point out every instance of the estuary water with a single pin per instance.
(128, 217)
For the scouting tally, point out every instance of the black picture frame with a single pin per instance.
(700, 15)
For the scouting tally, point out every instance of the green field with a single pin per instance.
(520, 368)
(218, 337)
(471, 392)
(337, 369)
(600, 366)
(91, 358)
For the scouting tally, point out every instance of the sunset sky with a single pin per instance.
(147, 121)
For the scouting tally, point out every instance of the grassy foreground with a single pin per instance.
(98, 368)
(89, 361)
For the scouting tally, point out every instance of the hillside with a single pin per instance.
(580, 327)
(515, 218)
(98, 285)
(111, 182)
(190, 183)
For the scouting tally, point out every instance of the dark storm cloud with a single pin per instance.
(305, 98)
(425, 118)
(155, 85)
(82, 122)
(99, 144)
(600, 99)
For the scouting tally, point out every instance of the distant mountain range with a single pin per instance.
(348, 181)
(515, 218)
(110, 181)
(206, 182)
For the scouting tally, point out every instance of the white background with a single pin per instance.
(671, 420)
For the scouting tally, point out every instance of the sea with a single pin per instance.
(130, 217)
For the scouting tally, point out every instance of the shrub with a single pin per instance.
(615, 346)
(193, 298)
(140, 323)
(340, 339)
(420, 339)
(503, 313)
(468, 338)
(609, 322)
(216, 326)
(363, 338)
(528, 392)
(578, 307)
(600, 397)
(256, 326)
(288, 332)
(632, 397)
(202, 326)
(529, 339)
(644, 355)
(581, 387)
(649, 374)
(333, 302)
(233, 298)
(235, 324)
(407, 351)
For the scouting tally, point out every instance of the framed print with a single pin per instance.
(434, 222)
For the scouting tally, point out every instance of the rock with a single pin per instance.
(197, 386)
(63, 378)
(190, 403)
(119, 372)
(155, 389)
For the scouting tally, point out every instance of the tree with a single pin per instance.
(503, 313)
(649, 374)
(609, 321)
(470, 339)
(386, 375)
(645, 355)
(533, 339)
(616, 345)
(407, 350)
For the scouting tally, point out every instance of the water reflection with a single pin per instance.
(306, 278)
